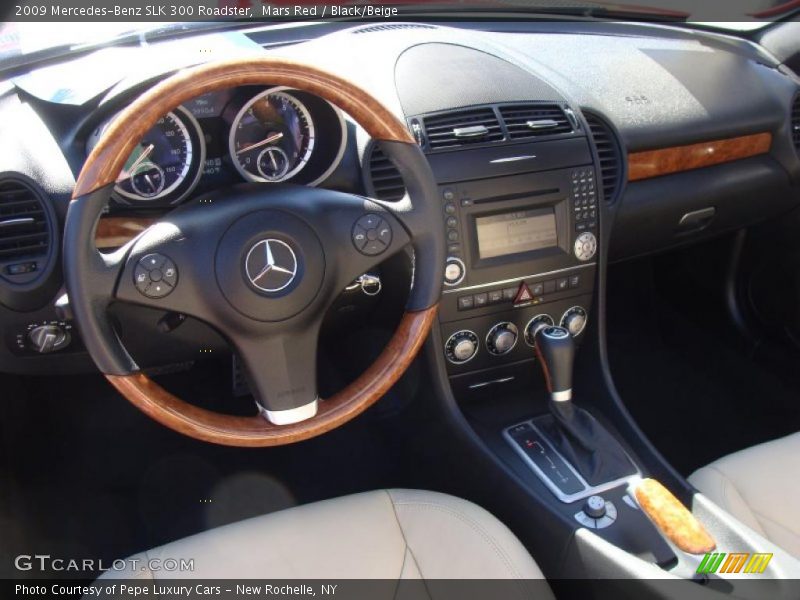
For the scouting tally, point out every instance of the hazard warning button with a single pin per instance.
(523, 294)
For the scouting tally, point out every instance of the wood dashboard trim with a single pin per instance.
(113, 232)
(676, 159)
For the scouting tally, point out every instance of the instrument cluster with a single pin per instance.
(252, 134)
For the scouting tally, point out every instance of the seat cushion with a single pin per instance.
(759, 486)
(386, 534)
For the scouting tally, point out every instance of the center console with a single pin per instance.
(521, 251)
(522, 224)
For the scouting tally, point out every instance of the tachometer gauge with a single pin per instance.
(166, 163)
(272, 137)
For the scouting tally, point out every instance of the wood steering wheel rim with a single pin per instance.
(104, 165)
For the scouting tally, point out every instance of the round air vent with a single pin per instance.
(610, 154)
(27, 235)
(381, 178)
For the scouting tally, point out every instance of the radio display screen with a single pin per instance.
(515, 232)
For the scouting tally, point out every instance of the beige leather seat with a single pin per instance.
(386, 534)
(759, 486)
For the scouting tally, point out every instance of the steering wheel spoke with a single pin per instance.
(281, 368)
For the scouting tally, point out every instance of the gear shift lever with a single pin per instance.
(578, 437)
(556, 351)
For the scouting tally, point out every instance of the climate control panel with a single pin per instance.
(499, 339)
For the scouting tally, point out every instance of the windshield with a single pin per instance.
(24, 36)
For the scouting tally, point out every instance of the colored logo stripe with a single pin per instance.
(734, 562)
(758, 563)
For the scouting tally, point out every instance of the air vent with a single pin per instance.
(534, 120)
(457, 128)
(610, 154)
(386, 181)
(24, 228)
(796, 124)
(390, 26)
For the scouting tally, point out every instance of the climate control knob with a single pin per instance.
(461, 346)
(48, 338)
(502, 338)
(535, 323)
(574, 320)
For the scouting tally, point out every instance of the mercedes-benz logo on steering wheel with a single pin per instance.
(271, 265)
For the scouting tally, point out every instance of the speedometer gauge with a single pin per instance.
(166, 163)
(272, 137)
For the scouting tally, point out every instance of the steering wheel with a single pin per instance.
(260, 263)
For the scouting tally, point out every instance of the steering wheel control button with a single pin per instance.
(585, 246)
(461, 347)
(155, 276)
(372, 235)
(152, 261)
(454, 271)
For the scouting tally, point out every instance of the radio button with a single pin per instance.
(454, 271)
(585, 246)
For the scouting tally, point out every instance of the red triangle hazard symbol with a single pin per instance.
(523, 294)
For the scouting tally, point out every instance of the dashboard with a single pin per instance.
(556, 147)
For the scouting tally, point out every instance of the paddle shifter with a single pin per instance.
(577, 436)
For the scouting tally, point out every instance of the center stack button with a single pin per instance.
(454, 271)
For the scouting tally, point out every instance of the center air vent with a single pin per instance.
(796, 124)
(610, 154)
(390, 26)
(534, 120)
(384, 181)
(457, 128)
(24, 230)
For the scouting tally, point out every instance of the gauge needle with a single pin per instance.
(272, 138)
(139, 160)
